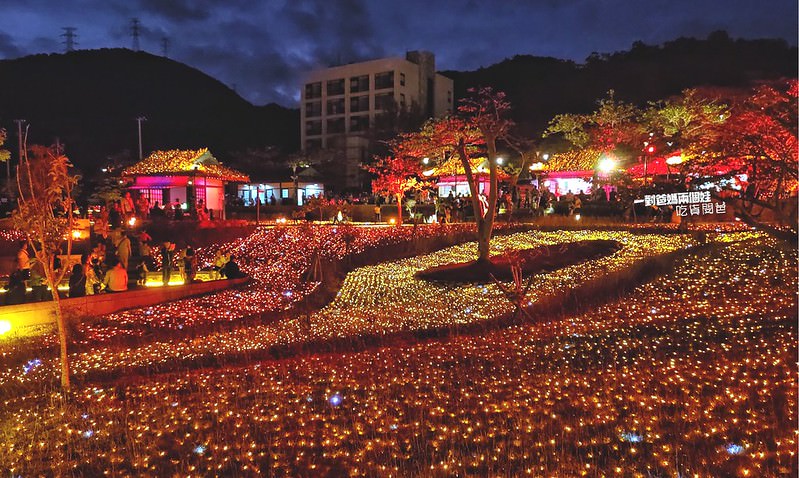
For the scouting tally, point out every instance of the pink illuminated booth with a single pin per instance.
(189, 176)
(571, 171)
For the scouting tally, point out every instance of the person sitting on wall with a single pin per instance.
(231, 269)
(220, 259)
(15, 289)
(77, 281)
(116, 279)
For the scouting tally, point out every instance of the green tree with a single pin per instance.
(612, 126)
(5, 157)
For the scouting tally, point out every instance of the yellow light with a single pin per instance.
(539, 166)
(392, 221)
(76, 234)
(672, 160)
(5, 327)
(429, 172)
(132, 221)
(606, 165)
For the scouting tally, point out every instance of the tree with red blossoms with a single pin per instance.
(482, 121)
(395, 176)
(759, 139)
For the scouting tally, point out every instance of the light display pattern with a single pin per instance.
(690, 375)
(372, 300)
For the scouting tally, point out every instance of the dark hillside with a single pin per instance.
(90, 100)
(540, 88)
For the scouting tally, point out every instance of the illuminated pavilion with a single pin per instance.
(450, 177)
(186, 175)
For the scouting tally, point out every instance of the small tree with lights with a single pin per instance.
(395, 176)
(482, 121)
(45, 215)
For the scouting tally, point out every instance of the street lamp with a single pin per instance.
(606, 165)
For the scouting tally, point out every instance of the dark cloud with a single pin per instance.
(178, 10)
(266, 47)
(8, 49)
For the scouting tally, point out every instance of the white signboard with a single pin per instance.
(694, 203)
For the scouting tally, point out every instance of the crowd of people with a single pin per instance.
(118, 260)
(120, 212)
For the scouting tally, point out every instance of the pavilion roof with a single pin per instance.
(575, 160)
(454, 167)
(184, 161)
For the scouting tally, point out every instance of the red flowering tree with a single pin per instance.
(759, 139)
(395, 176)
(482, 121)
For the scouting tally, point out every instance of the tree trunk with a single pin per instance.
(486, 225)
(399, 209)
(62, 339)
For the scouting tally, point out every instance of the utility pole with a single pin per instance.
(134, 30)
(165, 47)
(69, 39)
(139, 120)
(21, 147)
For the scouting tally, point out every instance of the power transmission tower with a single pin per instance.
(69, 39)
(134, 31)
(165, 47)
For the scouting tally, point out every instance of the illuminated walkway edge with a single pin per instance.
(32, 314)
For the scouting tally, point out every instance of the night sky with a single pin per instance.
(263, 50)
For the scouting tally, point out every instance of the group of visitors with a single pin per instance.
(106, 268)
(119, 212)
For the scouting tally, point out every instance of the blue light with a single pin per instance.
(393, 426)
(88, 434)
(32, 364)
(734, 449)
(287, 293)
(631, 437)
(335, 399)
(199, 449)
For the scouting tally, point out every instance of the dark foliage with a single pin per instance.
(539, 88)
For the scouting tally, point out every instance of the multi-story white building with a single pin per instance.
(339, 104)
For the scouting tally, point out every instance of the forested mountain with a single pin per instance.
(90, 100)
(539, 88)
